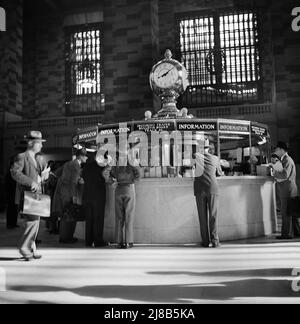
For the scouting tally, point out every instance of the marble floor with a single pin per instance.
(252, 271)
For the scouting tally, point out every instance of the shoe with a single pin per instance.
(103, 244)
(28, 258)
(216, 245)
(37, 257)
(131, 245)
(123, 246)
(284, 238)
(205, 245)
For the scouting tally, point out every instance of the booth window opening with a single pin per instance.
(221, 52)
(84, 70)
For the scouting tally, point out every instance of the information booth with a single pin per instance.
(166, 210)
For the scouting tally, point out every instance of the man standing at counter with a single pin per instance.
(94, 200)
(288, 190)
(124, 179)
(207, 194)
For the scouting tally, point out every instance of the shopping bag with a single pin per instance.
(36, 204)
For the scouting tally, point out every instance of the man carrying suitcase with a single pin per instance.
(29, 174)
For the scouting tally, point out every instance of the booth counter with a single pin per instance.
(166, 210)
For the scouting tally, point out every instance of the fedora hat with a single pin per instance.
(282, 145)
(34, 136)
(81, 152)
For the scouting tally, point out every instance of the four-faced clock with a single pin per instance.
(166, 75)
(168, 80)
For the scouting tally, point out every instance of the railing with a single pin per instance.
(242, 111)
(80, 122)
(73, 123)
(20, 124)
(53, 123)
(56, 123)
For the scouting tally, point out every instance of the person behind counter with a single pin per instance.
(287, 187)
(124, 179)
(206, 192)
(94, 201)
(66, 193)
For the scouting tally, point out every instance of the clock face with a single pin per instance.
(165, 75)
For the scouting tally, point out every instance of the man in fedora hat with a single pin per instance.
(66, 192)
(29, 173)
(287, 188)
(94, 199)
(206, 191)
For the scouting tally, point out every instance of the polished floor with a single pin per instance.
(254, 271)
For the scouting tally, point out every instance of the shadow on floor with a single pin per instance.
(257, 273)
(10, 259)
(222, 291)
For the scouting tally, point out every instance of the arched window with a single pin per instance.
(220, 50)
(84, 70)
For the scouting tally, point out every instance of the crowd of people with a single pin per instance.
(78, 190)
(81, 182)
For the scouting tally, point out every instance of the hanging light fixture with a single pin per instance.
(87, 75)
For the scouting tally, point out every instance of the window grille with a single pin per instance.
(84, 70)
(220, 50)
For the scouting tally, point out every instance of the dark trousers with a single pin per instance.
(12, 215)
(67, 230)
(208, 217)
(27, 244)
(290, 225)
(125, 213)
(53, 223)
(94, 213)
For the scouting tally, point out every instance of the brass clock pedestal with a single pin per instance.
(169, 101)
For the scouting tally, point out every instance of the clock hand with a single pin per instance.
(165, 74)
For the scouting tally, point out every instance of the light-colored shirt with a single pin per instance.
(125, 175)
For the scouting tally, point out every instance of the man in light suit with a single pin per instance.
(288, 190)
(29, 173)
(124, 179)
(206, 190)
